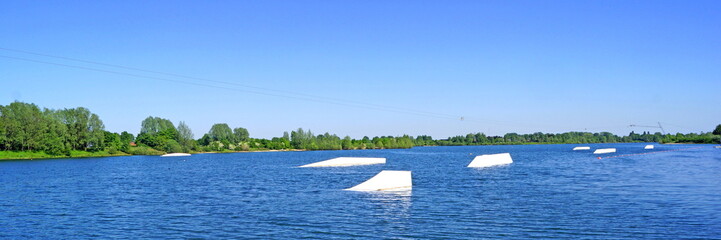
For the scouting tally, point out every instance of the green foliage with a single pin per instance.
(172, 146)
(84, 129)
(113, 143)
(185, 136)
(221, 138)
(277, 143)
(161, 134)
(25, 127)
(691, 138)
(154, 125)
(221, 132)
(144, 150)
(243, 147)
(215, 146)
(126, 137)
(241, 135)
(26, 131)
(514, 138)
(302, 139)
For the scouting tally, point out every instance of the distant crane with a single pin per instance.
(659, 126)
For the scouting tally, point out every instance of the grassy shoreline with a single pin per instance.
(29, 155)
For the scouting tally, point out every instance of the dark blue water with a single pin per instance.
(548, 192)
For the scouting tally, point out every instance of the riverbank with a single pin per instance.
(259, 150)
(145, 151)
(29, 155)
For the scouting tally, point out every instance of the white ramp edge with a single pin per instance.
(581, 148)
(648, 147)
(386, 180)
(175, 155)
(347, 162)
(491, 160)
(604, 150)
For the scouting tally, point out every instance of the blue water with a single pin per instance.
(548, 192)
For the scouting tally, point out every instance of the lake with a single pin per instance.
(549, 191)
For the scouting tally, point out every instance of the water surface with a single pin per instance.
(548, 192)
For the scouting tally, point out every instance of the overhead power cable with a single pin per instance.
(196, 81)
(226, 83)
(220, 87)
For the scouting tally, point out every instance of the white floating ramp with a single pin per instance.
(347, 162)
(581, 148)
(175, 155)
(491, 160)
(648, 147)
(604, 150)
(386, 180)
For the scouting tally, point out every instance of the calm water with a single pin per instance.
(548, 192)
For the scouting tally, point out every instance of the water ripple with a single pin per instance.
(549, 192)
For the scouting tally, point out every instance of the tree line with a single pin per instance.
(27, 127)
(548, 138)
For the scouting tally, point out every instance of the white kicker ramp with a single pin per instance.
(648, 147)
(386, 181)
(491, 160)
(347, 162)
(604, 150)
(581, 148)
(175, 155)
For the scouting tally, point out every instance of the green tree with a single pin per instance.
(221, 132)
(347, 143)
(717, 131)
(3, 130)
(127, 137)
(172, 146)
(241, 134)
(112, 142)
(286, 136)
(301, 139)
(95, 130)
(24, 126)
(155, 124)
(155, 132)
(185, 136)
(84, 128)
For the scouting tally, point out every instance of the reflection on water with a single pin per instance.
(392, 208)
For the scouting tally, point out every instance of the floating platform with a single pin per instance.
(347, 162)
(175, 155)
(581, 148)
(489, 160)
(604, 150)
(648, 147)
(386, 181)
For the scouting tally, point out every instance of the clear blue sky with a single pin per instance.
(505, 66)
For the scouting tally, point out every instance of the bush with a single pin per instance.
(242, 147)
(143, 150)
(112, 150)
(172, 146)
